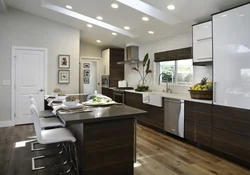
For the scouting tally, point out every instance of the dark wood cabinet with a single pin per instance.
(231, 132)
(198, 122)
(155, 115)
(108, 92)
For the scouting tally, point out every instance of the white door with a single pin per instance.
(90, 76)
(29, 79)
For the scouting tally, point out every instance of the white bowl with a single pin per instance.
(70, 103)
(61, 97)
(54, 94)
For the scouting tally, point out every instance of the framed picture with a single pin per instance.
(86, 65)
(86, 80)
(86, 73)
(63, 76)
(64, 61)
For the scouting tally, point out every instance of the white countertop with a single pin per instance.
(185, 97)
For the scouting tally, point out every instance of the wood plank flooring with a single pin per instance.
(157, 154)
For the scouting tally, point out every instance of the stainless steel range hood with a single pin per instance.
(132, 55)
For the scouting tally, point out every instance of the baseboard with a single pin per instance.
(6, 123)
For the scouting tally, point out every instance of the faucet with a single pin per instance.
(168, 90)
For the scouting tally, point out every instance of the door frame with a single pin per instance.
(98, 70)
(13, 73)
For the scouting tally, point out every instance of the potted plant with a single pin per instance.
(142, 86)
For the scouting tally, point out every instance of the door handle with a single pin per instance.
(41, 90)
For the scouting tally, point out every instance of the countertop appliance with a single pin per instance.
(105, 80)
(122, 84)
(118, 94)
(174, 116)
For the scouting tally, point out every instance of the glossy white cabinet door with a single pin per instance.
(231, 37)
(202, 42)
(105, 62)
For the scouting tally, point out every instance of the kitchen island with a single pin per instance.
(105, 139)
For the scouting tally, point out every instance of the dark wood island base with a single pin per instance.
(105, 139)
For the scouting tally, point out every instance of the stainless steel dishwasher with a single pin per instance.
(174, 116)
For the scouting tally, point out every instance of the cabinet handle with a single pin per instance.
(204, 39)
(204, 58)
(215, 85)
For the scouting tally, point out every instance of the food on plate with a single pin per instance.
(61, 94)
(57, 90)
(101, 99)
(203, 85)
(70, 98)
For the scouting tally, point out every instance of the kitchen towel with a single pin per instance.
(145, 97)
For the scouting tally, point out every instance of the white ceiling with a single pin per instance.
(187, 12)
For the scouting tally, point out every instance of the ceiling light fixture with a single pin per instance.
(225, 15)
(99, 41)
(126, 28)
(171, 7)
(89, 25)
(151, 32)
(99, 17)
(145, 19)
(68, 7)
(115, 6)
(114, 33)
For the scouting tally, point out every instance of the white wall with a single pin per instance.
(89, 50)
(22, 29)
(181, 41)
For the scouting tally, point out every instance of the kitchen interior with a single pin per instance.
(216, 121)
(163, 91)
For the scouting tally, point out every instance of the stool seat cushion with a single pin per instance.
(46, 114)
(50, 122)
(56, 136)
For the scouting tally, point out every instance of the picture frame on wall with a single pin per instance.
(63, 76)
(64, 61)
(86, 73)
(86, 80)
(86, 65)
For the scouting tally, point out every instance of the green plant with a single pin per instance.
(145, 72)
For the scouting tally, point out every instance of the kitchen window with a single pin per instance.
(178, 71)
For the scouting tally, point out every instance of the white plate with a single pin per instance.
(99, 104)
(67, 107)
(70, 103)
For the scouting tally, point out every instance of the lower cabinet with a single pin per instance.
(108, 92)
(198, 122)
(223, 129)
(155, 115)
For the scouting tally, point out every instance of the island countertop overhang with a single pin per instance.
(99, 114)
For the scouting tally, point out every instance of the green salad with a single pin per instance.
(96, 100)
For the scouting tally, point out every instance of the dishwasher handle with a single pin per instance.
(173, 101)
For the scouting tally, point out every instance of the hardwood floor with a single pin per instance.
(158, 154)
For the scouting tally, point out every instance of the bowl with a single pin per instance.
(70, 103)
(61, 97)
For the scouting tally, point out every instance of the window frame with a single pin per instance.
(175, 73)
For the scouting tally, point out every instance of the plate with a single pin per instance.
(71, 103)
(99, 104)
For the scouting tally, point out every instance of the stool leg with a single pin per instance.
(40, 149)
(76, 159)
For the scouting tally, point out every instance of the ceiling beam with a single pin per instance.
(3, 7)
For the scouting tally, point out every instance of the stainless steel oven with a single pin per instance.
(119, 94)
(105, 80)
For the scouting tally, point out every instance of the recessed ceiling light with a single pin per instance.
(89, 25)
(68, 7)
(99, 41)
(225, 15)
(114, 33)
(115, 6)
(145, 19)
(151, 32)
(171, 7)
(126, 28)
(99, 17)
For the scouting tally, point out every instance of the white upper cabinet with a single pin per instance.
(105, 62)
(202, 42)
(231, 45)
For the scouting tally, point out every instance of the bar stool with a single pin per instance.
(51, 136)
(42, 113)
(46, 123)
